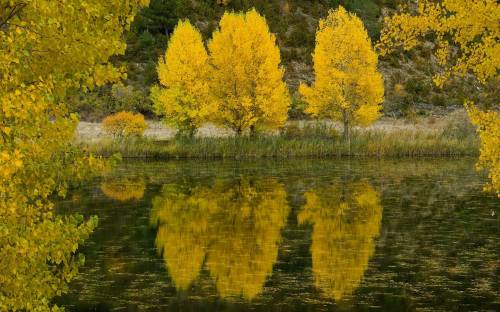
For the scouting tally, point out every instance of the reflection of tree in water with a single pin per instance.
(182, 220)
(235, 224)
(346, 221)
(246, 234)
(124, 190)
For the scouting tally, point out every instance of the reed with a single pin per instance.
(363, 144)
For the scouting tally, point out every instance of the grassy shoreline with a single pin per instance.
(363, 144)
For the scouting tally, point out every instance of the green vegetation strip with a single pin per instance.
(366, 144)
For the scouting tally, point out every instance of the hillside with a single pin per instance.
(408, 83)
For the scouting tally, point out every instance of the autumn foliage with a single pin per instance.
(239, 84)
(470, 25)
(467, 42)
(46, 49)
(124, 124)
(348, 86)
(488, 128)
(246, 78)
(182, 97)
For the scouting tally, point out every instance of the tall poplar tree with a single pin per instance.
(348, 87)
(182, 97)
(246, 78)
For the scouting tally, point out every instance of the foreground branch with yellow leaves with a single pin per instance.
(467, 34)
(47, 48)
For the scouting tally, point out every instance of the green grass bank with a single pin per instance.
(363, 144)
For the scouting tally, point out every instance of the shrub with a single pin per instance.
(297, 108)
(368, 11)
(300, 35)
(418, 86)
(128, 98)
(399, 90)
(97, 104)
(124, 124)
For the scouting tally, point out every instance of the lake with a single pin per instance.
(298, 235)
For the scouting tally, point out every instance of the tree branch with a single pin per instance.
(13, 11)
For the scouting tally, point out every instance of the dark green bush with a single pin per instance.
(418, 85)
(146, 40)
(93, 106)
(297, 108)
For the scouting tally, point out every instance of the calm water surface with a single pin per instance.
(304, 235)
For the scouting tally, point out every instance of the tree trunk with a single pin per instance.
(186, 131)
(192, 132)
(238, 131)
(347, 131)
(347, 134)
(253, 131)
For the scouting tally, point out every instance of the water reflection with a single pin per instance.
(181, 215)
(438, 246)
(346, 218)
(124, 189)
(233, 226)
(247, 232)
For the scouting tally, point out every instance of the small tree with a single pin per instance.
(348, 86)
(183, 96)
(246, 78)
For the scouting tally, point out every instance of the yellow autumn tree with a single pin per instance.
(246, 78)
(182, 97)
(182, 216)
(46, 48)
(346, 219)
(348, 86)
(467, 39)
(246, 232)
